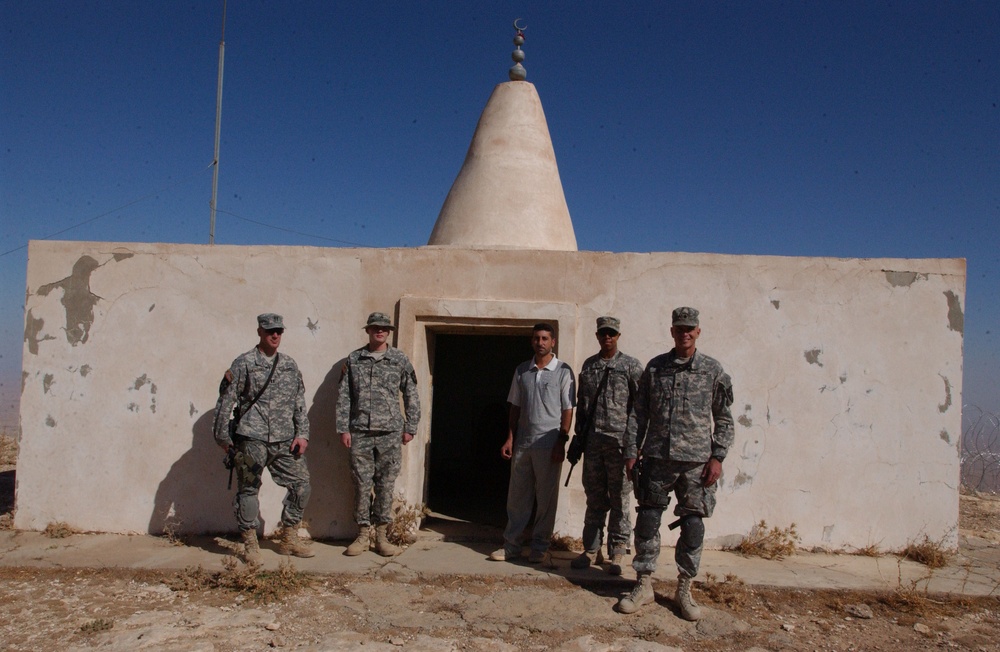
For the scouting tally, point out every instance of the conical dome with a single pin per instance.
(508, 193)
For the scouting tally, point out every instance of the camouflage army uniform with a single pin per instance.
(683, 417)
(264, 434)
(604, 479)
(368, 408)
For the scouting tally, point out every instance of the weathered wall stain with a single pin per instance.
(812, 357)
(47, 381)
(85, 370)
(313, 326)
(139, 383)
(192, 410)
(828, 533)
(947, 396)
(745, 421)
(742, 479)
(956, 318)
(776, 304)
(903, 279)
(50, 422)
(32, 327)
(945, 437)
(77, 298)
(120, 256)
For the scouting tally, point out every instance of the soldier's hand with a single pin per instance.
(345, 439)
(558, 453)
(507, 451)
(225, 446)
(711, 472)
(299, 446)
(407, 438)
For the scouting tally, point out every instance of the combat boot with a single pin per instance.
(682, 598)
(291, 544)
(615, 564)
(251, 551)
(382, 545)
(362, 544)
(587, 559)
(642, 594)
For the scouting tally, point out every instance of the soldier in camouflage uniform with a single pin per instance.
(685, 429)
(604, 478)
(371, 426)
(273, 434)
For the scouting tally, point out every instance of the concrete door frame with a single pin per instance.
(418, 318)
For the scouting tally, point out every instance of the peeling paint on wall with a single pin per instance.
(151, 308)
(775, 303)
(903, 279)
(945, 437)
(828, 534)
(313, 326)
(122, 255)
(192, 410)
(85, 370)
(812, 357)
(32, 327)
(77, 298)
(47, 381)
(956, 318)
(50, 422)
(947, 396)
(742, 479)
(745, 421)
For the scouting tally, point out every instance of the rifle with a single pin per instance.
(230, 463)
(579, 443)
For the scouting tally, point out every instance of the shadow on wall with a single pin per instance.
(192, 498)
(330, 513)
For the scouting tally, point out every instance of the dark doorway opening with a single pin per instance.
(468, 479)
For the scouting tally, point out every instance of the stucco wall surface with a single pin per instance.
(847, 374)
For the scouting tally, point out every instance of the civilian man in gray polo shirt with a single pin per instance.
(542, 395)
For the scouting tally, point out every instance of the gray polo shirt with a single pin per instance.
(542, 394)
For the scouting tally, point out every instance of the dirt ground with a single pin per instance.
(84, 609)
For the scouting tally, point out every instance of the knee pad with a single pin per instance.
(692, 530)
(647, 523)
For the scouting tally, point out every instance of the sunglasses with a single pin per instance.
(272, 331)
(604, 332)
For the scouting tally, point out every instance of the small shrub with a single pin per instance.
(769, 544)
(98, 625)
(564, 543)
(59, 530)
(406, 520)
(170, 533)
(929, 553)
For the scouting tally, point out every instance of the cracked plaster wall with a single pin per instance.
(847, 374)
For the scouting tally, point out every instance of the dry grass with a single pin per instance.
(59, 530)
(871, 550)
(406, 520)
(767, 543)
(253, 581)
(929, 553)
(731, 591)
(98, 625)
(8, 450)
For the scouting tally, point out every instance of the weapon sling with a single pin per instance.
(235, 421)
(590, 416)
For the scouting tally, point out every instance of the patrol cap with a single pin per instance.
(610, 323)
(380, 319)
(685, 317)
(269, 321)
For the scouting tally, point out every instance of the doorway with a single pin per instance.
(467, 478)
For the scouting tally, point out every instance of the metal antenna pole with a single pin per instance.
(218, 125)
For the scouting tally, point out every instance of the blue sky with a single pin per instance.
(844, 129)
